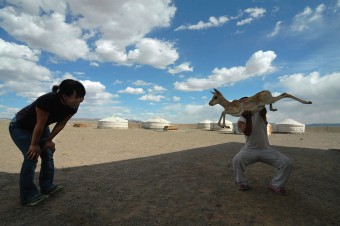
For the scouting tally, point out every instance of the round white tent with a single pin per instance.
(113, 122)
(205, 124)
(227, 129)
(289, 126)
(155, 123)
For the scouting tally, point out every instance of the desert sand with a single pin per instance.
(182, 177)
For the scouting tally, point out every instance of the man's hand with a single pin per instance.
(247, 114)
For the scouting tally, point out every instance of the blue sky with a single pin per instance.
(140, 59)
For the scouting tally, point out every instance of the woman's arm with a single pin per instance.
(56, 129)
(34, 149)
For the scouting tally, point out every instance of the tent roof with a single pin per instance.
(289, 122)
(206, 121)
(226, 122)
(113, 119)
(157, 120)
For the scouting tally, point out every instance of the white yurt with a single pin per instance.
(204, 125)
(113, 122)
(155, 123)
(269, 129)
(289, 126)
(228, 129)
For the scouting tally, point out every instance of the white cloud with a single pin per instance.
(153, 52)
(130, 90)
(48, 32)
(276, 29)
(245, 21)
(322, 90)
(253, 13)
(141, 83)
(260, 63)
(157, 89)
(213, 22)
(13, 50)
(124, 24)
(313, 85)
(96, 94)
(153, 98)
(176, 98)
(96, 31)
(94, 64)
(308, 18)
(20, 72)
(181, 68)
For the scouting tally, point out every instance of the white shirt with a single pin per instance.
(258, 138)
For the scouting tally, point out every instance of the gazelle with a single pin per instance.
(253, 103)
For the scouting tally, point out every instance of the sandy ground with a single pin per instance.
(183, 177)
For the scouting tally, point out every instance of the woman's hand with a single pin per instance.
(33, 152)
(50, 145)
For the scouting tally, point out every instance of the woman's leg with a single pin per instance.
(47, 164)
(22, 139)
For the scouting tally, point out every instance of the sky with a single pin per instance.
(140, 59)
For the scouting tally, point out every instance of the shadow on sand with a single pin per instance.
(192, 187)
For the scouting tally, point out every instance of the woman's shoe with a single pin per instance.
(34, 201)
(53, 189)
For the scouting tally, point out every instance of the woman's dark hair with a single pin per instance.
(68, 86)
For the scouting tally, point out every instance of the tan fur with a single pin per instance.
(253, 103)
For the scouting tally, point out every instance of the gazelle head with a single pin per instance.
(217, 97)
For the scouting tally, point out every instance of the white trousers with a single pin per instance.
(268, 156)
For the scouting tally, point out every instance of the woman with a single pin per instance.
(30, 131)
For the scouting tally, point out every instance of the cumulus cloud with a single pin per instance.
(153, 52)
(253, 13)
(213, 22)
(141, 83)
(260, 63)
(313, 85)
(184, 67)
(151, 97)
(20, 71)
(156, 89)
(48, 32)
(96, 94)
(96, 31)
(322, 90)
(130, 90)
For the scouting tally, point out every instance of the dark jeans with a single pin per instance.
(22, 138)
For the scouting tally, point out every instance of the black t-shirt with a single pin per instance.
(50, 102)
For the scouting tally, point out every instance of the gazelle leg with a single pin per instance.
(219, 121)
(223, 121)
(271, 108)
